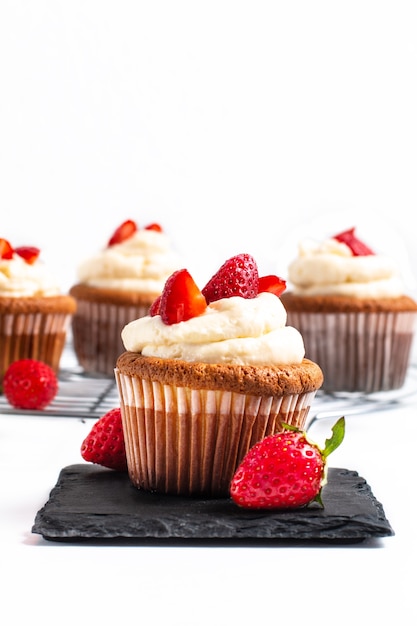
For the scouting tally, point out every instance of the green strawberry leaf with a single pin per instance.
(338, 434)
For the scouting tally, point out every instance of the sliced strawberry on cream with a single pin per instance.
(272, 283)
(358, 247)
(238, 276)
(154, 226)
(6, 250)
(181, 299)
(123, 232)
(29, 253)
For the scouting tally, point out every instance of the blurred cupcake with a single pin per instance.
(208, 374)
(115, 286)
(350, 307)
(34, 315)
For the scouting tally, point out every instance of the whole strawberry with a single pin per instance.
(30, 384)
(284, 470)
(238, 276)
(105, 444)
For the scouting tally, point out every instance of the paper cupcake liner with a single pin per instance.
(191, 441)
(358, 352)
(38, 336)
(96, 330)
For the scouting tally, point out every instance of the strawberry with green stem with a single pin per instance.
(285, 470)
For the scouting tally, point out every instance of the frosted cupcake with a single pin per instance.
(115, 286)
(349, 304)
(34, 314)
(208, 374)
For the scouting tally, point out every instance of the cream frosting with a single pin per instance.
(19, 279)
(231, 330)
(330, 268)
(141, 263)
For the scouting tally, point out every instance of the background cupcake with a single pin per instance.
(349, 304)
(115, 286)
(206, 376)
(34, 315)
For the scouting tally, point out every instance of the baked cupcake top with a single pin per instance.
(23, 273)
(343, 266)
(237, 319)
(134, 259)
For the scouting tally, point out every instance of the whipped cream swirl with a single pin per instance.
(231, 330)
(330, 268)
(19, 279)
(141, 263)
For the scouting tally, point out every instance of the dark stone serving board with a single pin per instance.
(93, 503)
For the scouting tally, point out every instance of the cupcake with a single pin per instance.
(206, 375)
(115, 286)
(34, 314)
(349, 304)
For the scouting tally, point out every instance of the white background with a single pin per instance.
(233, 124)
(238, 126)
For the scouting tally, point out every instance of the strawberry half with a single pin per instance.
(357, 246)
(6, 250)
(123, 232)
(272, 283)
(105, 444)
(284, 470)
(28, 253)
(181, 299)
(238, 276)
(30, 384)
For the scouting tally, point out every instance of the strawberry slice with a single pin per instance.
(154, 226)
(356, 245)
(6, 250)
(155, 306)
(238, 276)
(28, 253)
(272, 283)
(181, 299)
(123, 232)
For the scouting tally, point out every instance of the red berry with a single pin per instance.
(272, 283)
(123, 232)
(6, 250)
(357, 246)
(154, 226)
(238, 276)
(284, 470)
(181, 299)
(28, 253)
(30, 384)
(105, 444)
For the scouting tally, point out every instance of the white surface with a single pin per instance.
(236, 125)
(48, 583)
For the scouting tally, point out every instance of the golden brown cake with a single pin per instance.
(201, 381)
(188, 425)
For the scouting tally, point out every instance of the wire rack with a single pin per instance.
(78, 396)
(83, 396)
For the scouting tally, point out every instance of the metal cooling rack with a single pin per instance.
(330, 406)
(83, 396)
(78, 396)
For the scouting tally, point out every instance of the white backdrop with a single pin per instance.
(236, 125)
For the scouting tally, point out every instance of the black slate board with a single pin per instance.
(93, 503)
